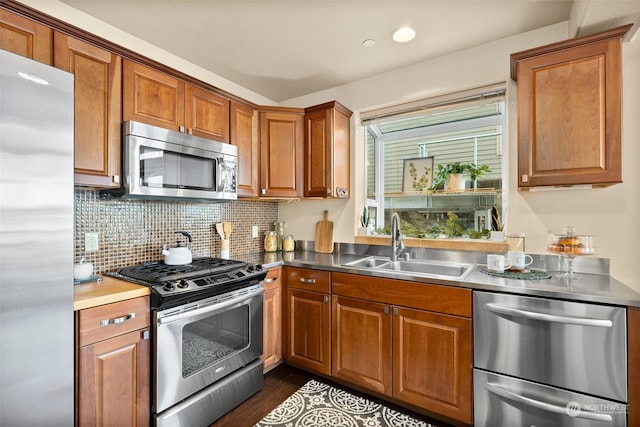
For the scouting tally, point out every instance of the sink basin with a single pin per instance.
(416, 267)
(370, 262)
(452, 270)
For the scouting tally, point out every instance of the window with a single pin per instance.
(401, 147)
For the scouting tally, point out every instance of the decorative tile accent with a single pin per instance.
(133, 231)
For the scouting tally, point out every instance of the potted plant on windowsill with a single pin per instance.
(452, 176)
(363, 230)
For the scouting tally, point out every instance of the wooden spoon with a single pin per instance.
(228, 228)
(220, 230)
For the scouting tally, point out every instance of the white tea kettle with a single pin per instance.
(178, 255)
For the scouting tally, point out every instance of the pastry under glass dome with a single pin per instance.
(569, 244)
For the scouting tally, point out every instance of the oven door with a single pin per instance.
(199, 343)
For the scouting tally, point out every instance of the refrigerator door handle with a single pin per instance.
(562, 410)
(582, 321)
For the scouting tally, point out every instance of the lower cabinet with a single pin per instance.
(409, 341)
(308, 319)
(272, 340)
(113, 364)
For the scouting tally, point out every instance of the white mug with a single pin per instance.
(519, 260)
(497, 263)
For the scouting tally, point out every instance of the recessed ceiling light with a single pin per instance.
(404, 34)
(369, 43)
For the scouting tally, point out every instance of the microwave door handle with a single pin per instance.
(582, 321)
(544, 406)
(219, 175)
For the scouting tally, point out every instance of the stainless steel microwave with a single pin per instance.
(160, 163)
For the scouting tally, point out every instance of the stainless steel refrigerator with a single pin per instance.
(36, 244)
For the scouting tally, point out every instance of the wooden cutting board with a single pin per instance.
(324, 235)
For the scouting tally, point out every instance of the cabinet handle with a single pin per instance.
(115, 179)
(326, 299)
(270, 280)
(386, 309)
(145, 335)
(308, 281)
(190, 131)
(395, 311)
(525, 178)
(117, 320)
(264, 191)
(181, 128)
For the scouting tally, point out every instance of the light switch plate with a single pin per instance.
(254, 231)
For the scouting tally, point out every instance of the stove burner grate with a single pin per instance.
(158, 272)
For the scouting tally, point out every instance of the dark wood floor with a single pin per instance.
(280, 383)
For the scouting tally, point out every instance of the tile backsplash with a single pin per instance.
(131, 232)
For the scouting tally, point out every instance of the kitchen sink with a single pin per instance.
(416, 267)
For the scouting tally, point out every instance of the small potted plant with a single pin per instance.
(497, 226)
(452, 175)
(364, 223)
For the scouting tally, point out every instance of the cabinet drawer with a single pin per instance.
(423, 296)
(273, 279)
(306, 278)
(110, 320)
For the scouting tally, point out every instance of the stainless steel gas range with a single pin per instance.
(207, 336)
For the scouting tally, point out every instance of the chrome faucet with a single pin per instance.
(397, 238)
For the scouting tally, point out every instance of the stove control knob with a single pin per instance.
(258, 267)
(183, 284)
(250, 268)
(169, 287)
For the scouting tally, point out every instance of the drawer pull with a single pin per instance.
(117, 320)
(582, 321)
(308, 281)
(544, 406)
(270, 280)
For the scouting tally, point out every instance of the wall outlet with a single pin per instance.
(91, 243)
(254, 231)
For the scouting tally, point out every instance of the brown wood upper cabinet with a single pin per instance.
(25, 37)
(569, 111)
(244, 134)
(281, 151)
(327, 150)
(98, 109)
(160, 99)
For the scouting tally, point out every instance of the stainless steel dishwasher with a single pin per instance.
(548, 363)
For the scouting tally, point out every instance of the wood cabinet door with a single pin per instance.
(281, 138)
(152, 97)
(361, 343)
(98, 109)
(244, 135)
(272, 340)
(206, 114)
(25, 37)
(433, 362)
(309, 330)
(327, 151)
(569, 114)
(113, 381)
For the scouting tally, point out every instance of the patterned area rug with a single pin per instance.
(317, 404)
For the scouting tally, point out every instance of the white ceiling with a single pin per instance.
(289, 48)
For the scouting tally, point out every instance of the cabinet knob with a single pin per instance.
(395, 311)
(263, 191)
(525, 178)
(181, 129)
(386, 309)
(326, 299)
(115, 179)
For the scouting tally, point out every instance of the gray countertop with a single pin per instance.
(592, 283)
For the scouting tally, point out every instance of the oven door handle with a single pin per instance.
(198, 312)
(548, 407)
(582, 321)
